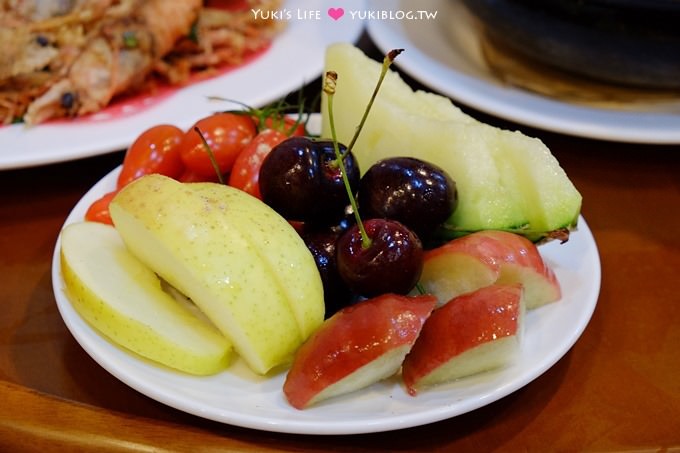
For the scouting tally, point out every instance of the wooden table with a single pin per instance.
(617, 389)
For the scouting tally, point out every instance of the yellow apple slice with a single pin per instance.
(194, 239)
(123, 299)
(281, 248)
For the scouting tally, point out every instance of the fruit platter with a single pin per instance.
(204, 295)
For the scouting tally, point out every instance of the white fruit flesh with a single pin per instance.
(505, 179)
(450, 275)
(485, 357)
(191, 241)
(122, 298)
(538, 288)
(381, 368)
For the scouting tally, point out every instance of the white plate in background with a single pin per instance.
(443, 54)
(296, 57)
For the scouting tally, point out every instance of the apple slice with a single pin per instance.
(487, 257)
(475, 332)
(278, 245)
(356, 347)
(124, 300)
(233, 256)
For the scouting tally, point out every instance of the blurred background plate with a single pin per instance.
(450, 54)
(294, 59)
(628, 43)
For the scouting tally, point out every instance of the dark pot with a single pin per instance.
(630, 42)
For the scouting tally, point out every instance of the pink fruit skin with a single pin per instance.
(353, 337)
(464, 322)
(497, 248)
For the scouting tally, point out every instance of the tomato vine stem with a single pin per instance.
(211, 155)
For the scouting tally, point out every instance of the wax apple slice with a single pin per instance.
(358, 346)
(472, 333)
(486, 257)
(195, 239)
(123, 299)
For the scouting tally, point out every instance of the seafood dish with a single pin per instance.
(66, 58)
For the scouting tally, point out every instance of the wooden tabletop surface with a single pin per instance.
(617, 389)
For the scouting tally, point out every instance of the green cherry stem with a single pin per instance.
(330, 82)
(329, 88)
(387, 62)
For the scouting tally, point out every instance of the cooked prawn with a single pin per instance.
(71, 57)
(117, 59)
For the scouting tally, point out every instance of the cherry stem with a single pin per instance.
(387, 62)
(330, 82)
(329, 89)
(211, 156)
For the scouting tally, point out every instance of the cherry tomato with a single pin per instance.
(191, 176)
(245, 173)
(226, 135)
(99, 210)
(286, 124)
(156, 150)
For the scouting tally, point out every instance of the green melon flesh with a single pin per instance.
(505, 180)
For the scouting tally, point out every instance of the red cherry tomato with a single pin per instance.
(245, 173)
(99, 210)
(156, 150)
(190, 176)
(226, 135)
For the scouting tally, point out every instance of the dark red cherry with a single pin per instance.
(301, 180)
(322, 245)
(414, 192)
(392, 263)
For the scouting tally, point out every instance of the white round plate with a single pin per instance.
(238, 397)
(443, 53)
(294, 59)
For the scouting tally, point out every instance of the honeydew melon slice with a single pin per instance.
(505, 180)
